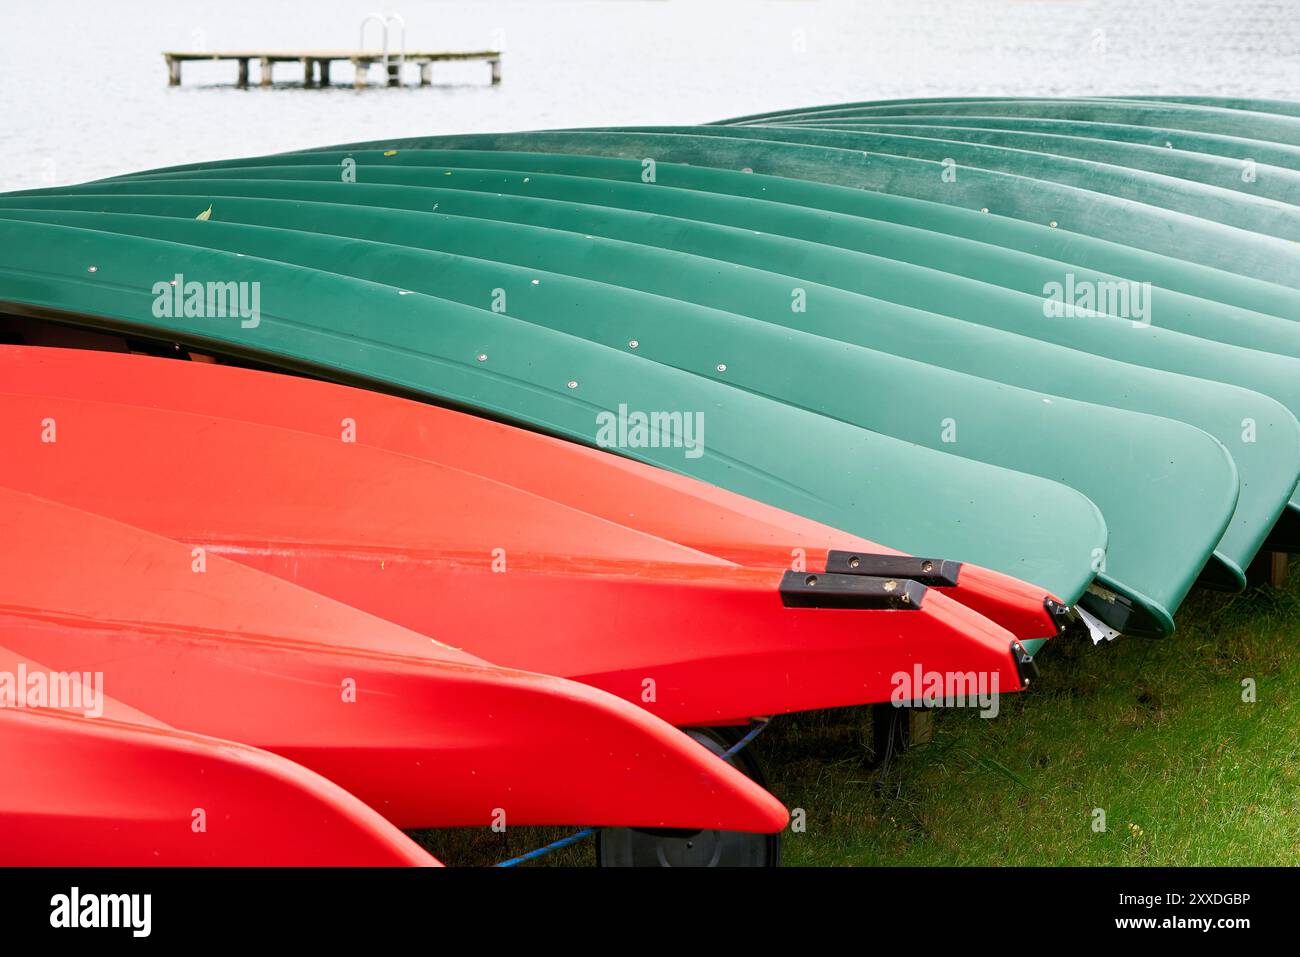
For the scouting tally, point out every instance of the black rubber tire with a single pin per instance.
(635, 847)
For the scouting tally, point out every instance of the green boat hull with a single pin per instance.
(1273, 121)
(1268, 465)
(1011, 150)
(781, 207)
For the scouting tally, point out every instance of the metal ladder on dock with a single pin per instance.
(392, 70)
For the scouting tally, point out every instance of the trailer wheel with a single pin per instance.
(637, 847)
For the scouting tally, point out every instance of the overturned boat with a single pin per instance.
(106, 785)
(665, 506)
(480, 565)
(807, 399)
(425, 734)
(546, 277)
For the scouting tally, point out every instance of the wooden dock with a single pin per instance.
(316, 64)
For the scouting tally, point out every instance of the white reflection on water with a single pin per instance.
(101, 105)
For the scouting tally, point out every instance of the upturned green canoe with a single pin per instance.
(781, 207)
(1078, 204)
(1137, 171)
(1270, 120)
(1154, 148)
(524, 198)
(1214, 288)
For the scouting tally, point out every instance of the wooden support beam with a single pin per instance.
(242, 81)
(496, 70)
(395, 73)
(1268, 568)
(362, 67)
(173, 71)
(1279, 569)
(324, 73)
(426, 73)
(308, 72)
(920, 729)
(266, 71)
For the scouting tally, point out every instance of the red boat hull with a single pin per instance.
(513, 578)
(85, 792)
(425, 734)
(671, 507)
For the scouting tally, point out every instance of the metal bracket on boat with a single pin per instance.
(1025, 666)
(1062, 615)
(927, 571)
(828, 590)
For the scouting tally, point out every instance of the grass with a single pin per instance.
(1153, 733)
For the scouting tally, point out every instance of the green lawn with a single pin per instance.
(1155, 733)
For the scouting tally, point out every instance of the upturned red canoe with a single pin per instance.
(660, 503)
(513, 578)
(104, 785)
(424, 733)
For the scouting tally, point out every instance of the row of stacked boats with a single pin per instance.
(501, 480)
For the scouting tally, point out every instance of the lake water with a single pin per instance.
(85, 90)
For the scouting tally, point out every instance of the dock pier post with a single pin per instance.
(316, 64)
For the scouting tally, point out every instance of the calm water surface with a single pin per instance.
(101, 105)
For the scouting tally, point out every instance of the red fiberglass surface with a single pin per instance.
(660, 503)
(513, 578)
(107, 786)
(425, 734)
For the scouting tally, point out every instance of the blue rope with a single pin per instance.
(543, 851)
(753, 733)
(587, 832)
